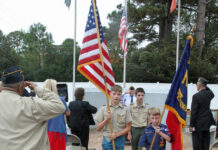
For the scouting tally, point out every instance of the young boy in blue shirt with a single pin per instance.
(148, 134)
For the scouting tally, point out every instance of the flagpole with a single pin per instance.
(74, 45)
(124, 70)
(178, 26)
(124, 55)
(102, 64)
(155, 134)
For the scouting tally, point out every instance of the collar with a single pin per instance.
(150, 126)
(136, 105)
(116, 106)
(9, 91)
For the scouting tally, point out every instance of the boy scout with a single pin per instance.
(121, 121)
(139, 113)
(148, 134)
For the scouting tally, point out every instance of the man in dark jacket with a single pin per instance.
(201, 116)
(81, 116)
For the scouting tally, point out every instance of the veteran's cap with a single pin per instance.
(12, 75)
(202, 81)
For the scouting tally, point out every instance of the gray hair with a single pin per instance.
(202, 85)
(12, 85)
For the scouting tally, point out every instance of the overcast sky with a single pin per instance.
(59, 20)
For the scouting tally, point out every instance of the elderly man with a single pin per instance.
(201, 116)
(23, 120)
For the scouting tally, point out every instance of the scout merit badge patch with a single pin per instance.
(162, 142)
(121, 118)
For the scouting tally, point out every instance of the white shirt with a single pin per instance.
(126, 99)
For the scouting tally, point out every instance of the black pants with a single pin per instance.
(83, 133)
(201, 140)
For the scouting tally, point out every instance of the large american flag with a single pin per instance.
(90, 62)
(123, 32)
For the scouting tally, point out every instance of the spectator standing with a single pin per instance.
(128, 97)
(57, 132)
(81, 116)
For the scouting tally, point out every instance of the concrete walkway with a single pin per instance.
(95, 140)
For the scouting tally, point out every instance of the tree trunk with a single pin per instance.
(166, 23)
(200, 27)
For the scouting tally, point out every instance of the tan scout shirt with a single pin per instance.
(23, 120)
(120, 117)
(139, 114)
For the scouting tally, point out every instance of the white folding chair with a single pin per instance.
(214, 146)
(72, 138)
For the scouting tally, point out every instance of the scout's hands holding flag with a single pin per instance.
(165, 136)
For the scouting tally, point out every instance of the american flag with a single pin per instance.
(90, 62)
(123, 32)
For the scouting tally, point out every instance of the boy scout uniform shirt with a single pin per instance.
(139, 114)
(147, 137)
(120, 117)
(23, 120)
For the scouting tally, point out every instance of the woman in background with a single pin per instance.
(57, 132)
(81, 116)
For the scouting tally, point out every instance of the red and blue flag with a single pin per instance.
(176, 101)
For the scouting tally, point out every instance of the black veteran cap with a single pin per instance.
(12, 75)
(202, 81)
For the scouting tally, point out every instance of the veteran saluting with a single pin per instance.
(23, 120)
(201, 116)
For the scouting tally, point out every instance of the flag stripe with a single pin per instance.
(98, 70)
(90, 37)
(93, 78)
(108, 74)
(89, 59)
(90, 43)
(90, 32)
(89, 54)
(88, 49)
(96, 75)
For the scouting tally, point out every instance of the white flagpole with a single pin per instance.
(124, 56)
(74, 48)
(178, 29)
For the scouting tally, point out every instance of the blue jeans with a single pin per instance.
(119, 143)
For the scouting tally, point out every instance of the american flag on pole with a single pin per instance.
(90, 62)
(123, 32)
